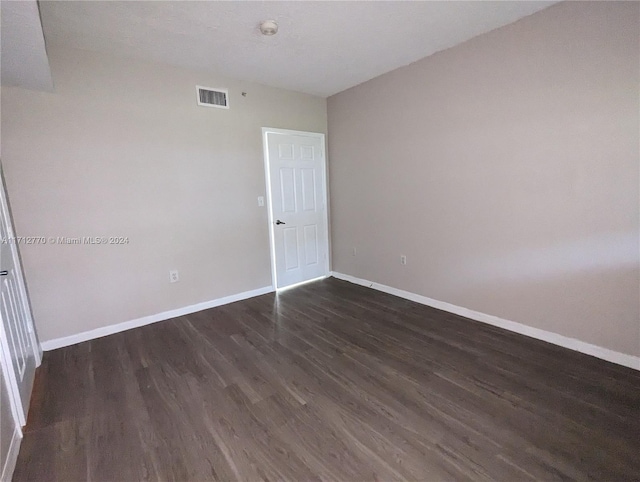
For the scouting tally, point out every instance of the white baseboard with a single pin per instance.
(9, 463)
(147, 320)
(548, 336)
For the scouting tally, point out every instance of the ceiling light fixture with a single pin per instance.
(269, 27)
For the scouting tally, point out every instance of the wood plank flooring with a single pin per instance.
(329, 381)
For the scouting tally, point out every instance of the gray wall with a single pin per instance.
(122, 149)
(506, 169)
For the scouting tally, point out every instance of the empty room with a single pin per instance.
(320, 241)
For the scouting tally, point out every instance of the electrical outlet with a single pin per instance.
(355, 252)
(173, 277)
(403, 259)
(261, 201)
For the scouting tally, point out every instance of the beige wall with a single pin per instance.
(122, 149)
(506, 169)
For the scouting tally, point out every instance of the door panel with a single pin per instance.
(296, 167)
(288, 188)
(285, 151)
(308, 189)
(290, 248)
(306, 153)
(16, 341)
(311, 244)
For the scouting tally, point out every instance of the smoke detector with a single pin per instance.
(269, 27)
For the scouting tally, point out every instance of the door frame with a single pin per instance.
(267, 177)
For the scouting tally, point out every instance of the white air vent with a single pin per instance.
(213, 97)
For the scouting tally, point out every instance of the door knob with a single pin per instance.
(4, 273)
(280, 222)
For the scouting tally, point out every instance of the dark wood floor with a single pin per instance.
(329, 381)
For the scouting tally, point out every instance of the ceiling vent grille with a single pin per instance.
(209, 97)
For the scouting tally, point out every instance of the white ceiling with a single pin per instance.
(322, 47)
(24, 57)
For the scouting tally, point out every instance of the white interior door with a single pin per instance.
(20, 350)
(298, 205)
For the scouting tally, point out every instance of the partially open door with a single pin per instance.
(20, 351)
